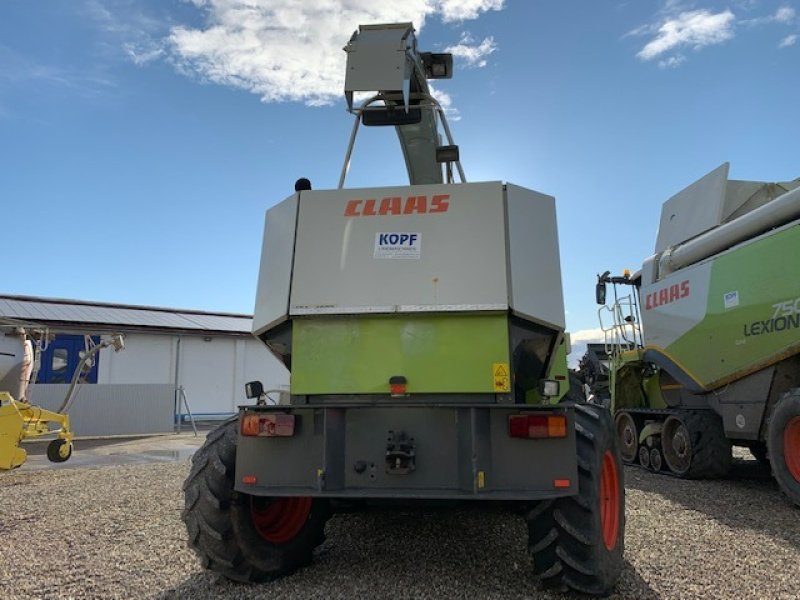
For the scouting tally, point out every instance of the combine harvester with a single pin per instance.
(424, 329)
(714, 317)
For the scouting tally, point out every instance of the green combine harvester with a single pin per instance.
(423, 326)
(713, 318)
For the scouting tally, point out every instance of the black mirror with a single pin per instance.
(390, 116)
(253, 389)
(600, 292)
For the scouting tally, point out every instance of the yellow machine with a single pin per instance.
(20, 421)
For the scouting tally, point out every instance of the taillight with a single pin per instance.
(277, 425)
(397, 386)
(537, 426)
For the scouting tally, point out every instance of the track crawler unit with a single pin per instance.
(423, 326)
(705, 339)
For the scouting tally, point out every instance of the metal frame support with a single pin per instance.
(433, 105)
(180, 394)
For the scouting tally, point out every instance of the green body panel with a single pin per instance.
(630, 384)
(764, 328)
(442, 353)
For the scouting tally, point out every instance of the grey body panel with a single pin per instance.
(742, 404)
(664, 323)
(534, 262)
(495, 247)
(336, 270)
(693, 210)
(453, 444)
(378, 59)
(277, 256)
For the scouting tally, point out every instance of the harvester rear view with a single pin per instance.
(423, 326)
(705, 339)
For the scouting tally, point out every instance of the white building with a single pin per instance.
(210, 356)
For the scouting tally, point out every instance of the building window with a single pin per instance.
(58, 366)
(62, 357)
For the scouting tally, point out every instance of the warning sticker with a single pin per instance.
(501, 377)
(397, 245)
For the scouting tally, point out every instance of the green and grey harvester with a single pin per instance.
(423, 326)
(705, 339)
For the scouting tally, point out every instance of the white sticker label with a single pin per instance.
(397, 245)
(731, 299)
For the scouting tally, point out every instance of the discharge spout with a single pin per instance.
(784, 209)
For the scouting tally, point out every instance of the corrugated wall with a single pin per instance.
(112, 409)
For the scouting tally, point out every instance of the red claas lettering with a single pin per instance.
(396, 205)
(667, 295)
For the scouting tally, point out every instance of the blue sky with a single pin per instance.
(141, 142)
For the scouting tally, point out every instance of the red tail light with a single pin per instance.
(272, 425)
(537, 426)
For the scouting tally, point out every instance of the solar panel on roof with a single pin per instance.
(66, 312)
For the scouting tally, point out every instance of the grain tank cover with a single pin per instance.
(419, 249)
(693, 210)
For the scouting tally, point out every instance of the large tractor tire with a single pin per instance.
(694, 445)
(245, 538)
(577, 542)
(783, 442)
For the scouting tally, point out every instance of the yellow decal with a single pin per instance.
(481, 480)
(501, 377)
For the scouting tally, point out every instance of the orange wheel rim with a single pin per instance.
(609, 501)
(278, 520)
(791, 447)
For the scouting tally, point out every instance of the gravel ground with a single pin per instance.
(116, 533)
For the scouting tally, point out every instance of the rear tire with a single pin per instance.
(238, 535)
(577, 542)
(783, 443)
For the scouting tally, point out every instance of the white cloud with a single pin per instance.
(789, 40)
(784, 14)
(579, 340)
(446, 102)
(291, 50)
(679, 27)
(672, 61)
(474, 54)
(143, 52)
(587, 335)
(464, 10)
(693, 29)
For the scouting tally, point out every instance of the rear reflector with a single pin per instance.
(273, 425)
(249, 479)
(537, 426)
(397, 386)
(560, 483)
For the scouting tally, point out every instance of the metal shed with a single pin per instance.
(169, 352)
